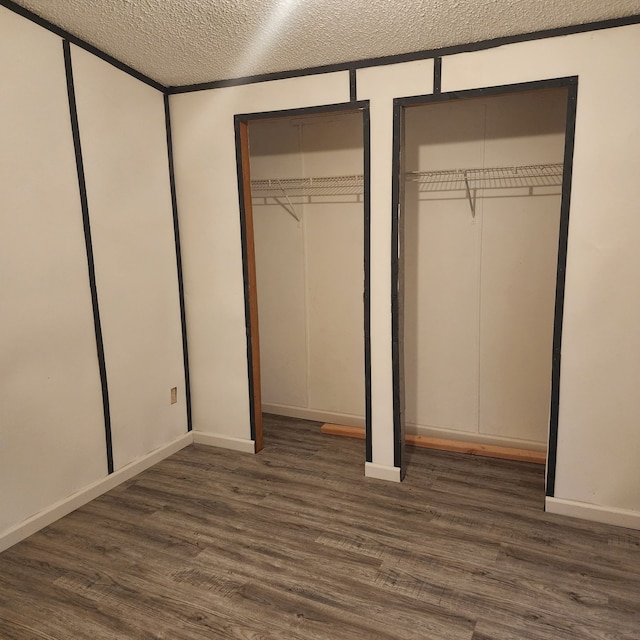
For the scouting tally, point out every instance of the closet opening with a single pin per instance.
(483, 184)
(305, 217)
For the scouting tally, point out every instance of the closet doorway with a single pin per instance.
(482, 249)
(304, 218)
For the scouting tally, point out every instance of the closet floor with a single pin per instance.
(295, 543)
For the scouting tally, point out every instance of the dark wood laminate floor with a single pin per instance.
(295, 543)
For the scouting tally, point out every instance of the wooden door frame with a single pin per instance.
(241, 123)
(399, 105)
(250, 282)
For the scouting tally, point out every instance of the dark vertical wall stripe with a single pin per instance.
(65, 35)
(176, 232)
(353, 91)
(366, 139)
(437, 75)
(398, 435)
(245, 273)
(572, 103)
(89, 247)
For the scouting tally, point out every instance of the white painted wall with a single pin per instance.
(310, 273)
(52, 440)
(335, 271)
(52, 437)
(280, 268)
(380, 85)
(480, 291)
(123, 136)
(442, 261)
(206, 181)
(599, 442)
(599, 438)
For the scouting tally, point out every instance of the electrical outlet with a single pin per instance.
(174, 395)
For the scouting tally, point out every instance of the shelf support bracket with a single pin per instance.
(291, 210)
(472, 203)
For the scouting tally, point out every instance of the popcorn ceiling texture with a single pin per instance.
(179, 42)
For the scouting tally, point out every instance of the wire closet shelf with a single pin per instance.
(537, 175)
(470, 181)
(330, 186)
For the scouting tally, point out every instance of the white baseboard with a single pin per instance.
(471, 436)
(594, 512)
(314, 414)
(67, 505)
(225, 442)
(381, 472)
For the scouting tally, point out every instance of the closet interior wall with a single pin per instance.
(310, 270)
(479, 285)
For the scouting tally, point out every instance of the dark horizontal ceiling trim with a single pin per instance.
(264, 77)
(410, 57)
(65, 35)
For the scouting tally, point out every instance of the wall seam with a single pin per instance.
(75, 130)
(305, 265)
(178, 247)
(437, 75)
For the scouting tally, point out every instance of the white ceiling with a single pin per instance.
(179, 42)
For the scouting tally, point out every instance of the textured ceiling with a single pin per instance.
(179, 42)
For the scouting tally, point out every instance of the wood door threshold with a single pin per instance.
(471, 448)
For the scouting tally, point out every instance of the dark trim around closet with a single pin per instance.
(519, 87)
(69, 37)
(176, 235)
(366, 295)
(243, 119)
(567, 175)
(411, 57)
(339, 107)
(73, 112)
(396, 284)
(571, 84)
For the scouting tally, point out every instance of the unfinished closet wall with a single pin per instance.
(309, 262)
(480, 265)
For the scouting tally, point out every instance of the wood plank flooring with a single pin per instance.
(295, 544)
